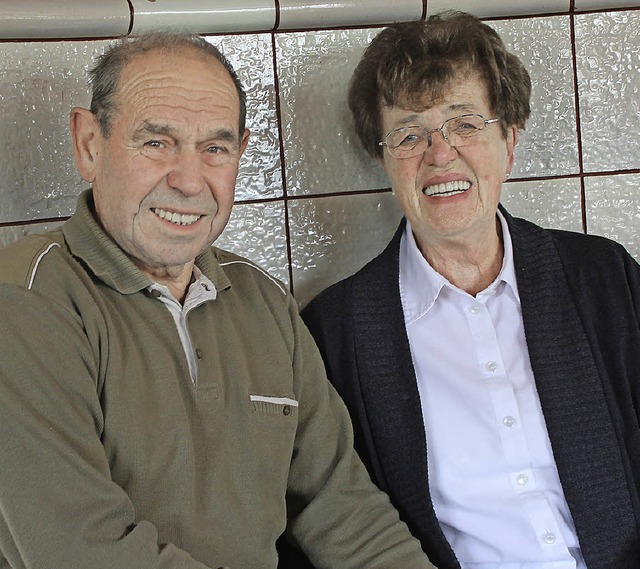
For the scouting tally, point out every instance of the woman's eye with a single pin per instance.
(465, 127)
(410, 140)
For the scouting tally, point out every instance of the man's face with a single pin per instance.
(164, 178)
(451, 195)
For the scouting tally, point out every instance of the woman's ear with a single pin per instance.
(512, 140)
(87, 139)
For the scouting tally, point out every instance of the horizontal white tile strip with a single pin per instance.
(497, 8)
(581, 5)
(63, 19)
(276, 400)
(68, 19)
(204, 16)
(300, 14)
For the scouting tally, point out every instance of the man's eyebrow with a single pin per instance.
(222, 134)
(149, 127)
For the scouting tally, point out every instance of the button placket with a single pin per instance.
(484, 334)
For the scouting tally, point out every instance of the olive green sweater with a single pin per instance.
(111, 457)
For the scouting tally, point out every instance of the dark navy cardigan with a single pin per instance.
(580, 300)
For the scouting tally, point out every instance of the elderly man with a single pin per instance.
(163, 406)
(490, 366)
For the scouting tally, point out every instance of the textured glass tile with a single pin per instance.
(11, 233)
(613, 209)
(251, 55)
(326, 13)
(554, 204)
(549, 145)
(608, 66)
(323, 153)
(332, 237)
(492, 8)
(257, 232)
(604, 4)
(39, 83)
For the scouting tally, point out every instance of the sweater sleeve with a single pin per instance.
(58, 504)
(337, 515)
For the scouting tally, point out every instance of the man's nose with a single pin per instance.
(187, 172)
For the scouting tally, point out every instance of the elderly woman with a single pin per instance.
(490, 366)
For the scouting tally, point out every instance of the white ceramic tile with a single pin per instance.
(39, 83)
(613, 209)
(257, 232)
(42, 19)
(11, 233)
(204, 16)
(554, 204)
(493, 8)
(608, 66)
(332, 237)
(322, 151)
(299, 14)
(582, 5)
(549, 145)
(260, 174)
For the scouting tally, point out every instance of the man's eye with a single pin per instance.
(155, 144)
(216, 150)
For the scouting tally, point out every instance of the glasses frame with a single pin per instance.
(428, 134)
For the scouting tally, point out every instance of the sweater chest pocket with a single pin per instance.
(273, 422)
(278, 406)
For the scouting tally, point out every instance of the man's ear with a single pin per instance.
(87, 138)
(245, 141)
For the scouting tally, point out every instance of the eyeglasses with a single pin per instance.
(409, 141)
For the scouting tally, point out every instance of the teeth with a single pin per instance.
(177, 218)
(447, 188)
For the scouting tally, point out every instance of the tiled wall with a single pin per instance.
(311, 206)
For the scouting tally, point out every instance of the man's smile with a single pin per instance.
(177, 218)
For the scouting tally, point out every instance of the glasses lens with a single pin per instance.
(461, 130)
(406, 142)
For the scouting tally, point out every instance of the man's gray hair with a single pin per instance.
(105, 75)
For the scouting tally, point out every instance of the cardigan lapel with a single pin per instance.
(583, 439)
(390, 395)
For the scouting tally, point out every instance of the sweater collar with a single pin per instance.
(106, 260)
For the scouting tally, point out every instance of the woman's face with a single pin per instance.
(451, 194)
